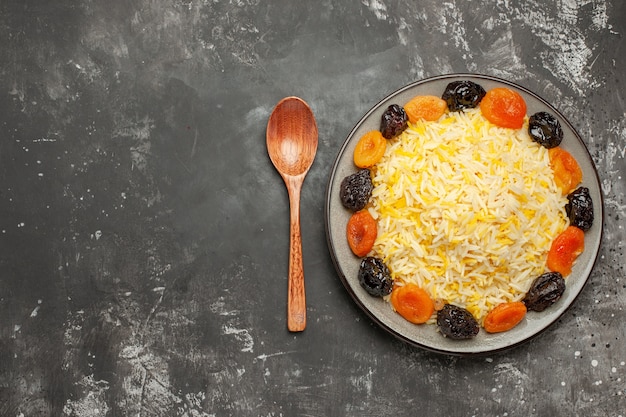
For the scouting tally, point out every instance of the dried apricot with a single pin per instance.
(567, 172)
(361, 232)
(504, 107)
(412, 302)
(504, 317)
(369, 149)
(429, 108)
(565, 249)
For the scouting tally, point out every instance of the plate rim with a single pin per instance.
(327, 212)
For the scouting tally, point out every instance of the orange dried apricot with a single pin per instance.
(361, 232)
(412, 302)
(504, 317)
(504, 107)
(565, 249)
(429, 108)
(369, 149)
(567, 172)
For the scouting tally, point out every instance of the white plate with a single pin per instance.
(426, 336)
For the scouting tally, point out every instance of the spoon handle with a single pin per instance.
(296, 300)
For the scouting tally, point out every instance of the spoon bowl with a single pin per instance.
(292, 138)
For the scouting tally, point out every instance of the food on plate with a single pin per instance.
(356, 189)
(412, 302)
(393, 121)
(463, 95)
(369, 149)
(546, 290)
(456, 322)
(466, 210)
(564, 250)
(473, 209)
(504, 107)
(579, 208)
(375, 277)
(504, 317)
(545, 129)
(361, 232)
(567, 172)
(429, 108)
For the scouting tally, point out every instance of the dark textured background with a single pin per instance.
(144, 231)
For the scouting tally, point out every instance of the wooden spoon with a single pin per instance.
(292, 143)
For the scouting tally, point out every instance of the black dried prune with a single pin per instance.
(546, 290)
(356, 189)
(461, 95)
(545, 129)
(375, 277)
(456, 322)
(393, 121)
(579, 208)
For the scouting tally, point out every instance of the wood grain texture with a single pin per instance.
(292, 143)
(296, 298)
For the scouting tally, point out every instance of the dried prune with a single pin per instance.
(461, 95)
(356, 189)
(579, 208)
(545, 129)
(546, 290)
(393, 121)
(456, 322)
(375, 277)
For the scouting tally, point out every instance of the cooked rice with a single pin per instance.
(466, 210)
